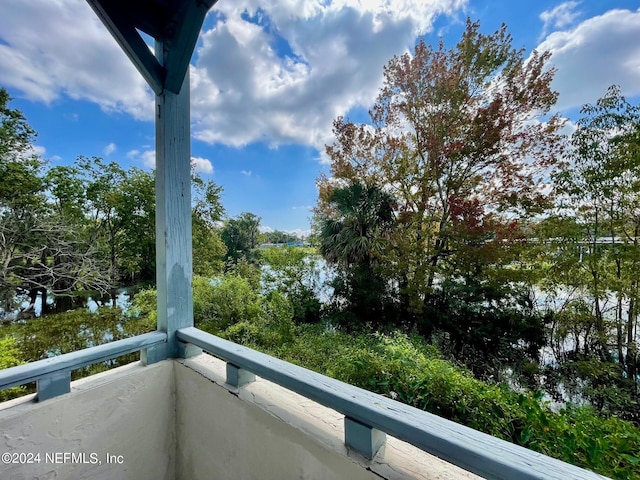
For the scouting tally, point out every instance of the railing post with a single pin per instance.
(173, 210)
(57, 383)
(188, 350)
(362, 438)
(237, 376)
(153, 354)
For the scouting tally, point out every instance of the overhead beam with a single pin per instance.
(181, 36)
(118, 21)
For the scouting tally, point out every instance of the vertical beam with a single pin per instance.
(57, 383)
(363, 438)
(238, 377)
(173, 211)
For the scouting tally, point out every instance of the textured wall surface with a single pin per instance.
(263, 431)
(180, 420)
(127, 413)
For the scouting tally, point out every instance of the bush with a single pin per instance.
(10, 356)
(409, 370)
(224, 302)
(273, 328)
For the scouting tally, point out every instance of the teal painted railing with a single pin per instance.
(368, 416)
(53, 375)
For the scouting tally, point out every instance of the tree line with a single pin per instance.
(89, 227)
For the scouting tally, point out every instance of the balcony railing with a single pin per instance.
(53, 375)
(368, 416)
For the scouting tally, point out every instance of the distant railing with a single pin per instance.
(369, 416)
(53, 375)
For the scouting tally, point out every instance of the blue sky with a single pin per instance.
(268, 78)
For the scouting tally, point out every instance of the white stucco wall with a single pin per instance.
(263, 431)
(180, 420)
(127, 413)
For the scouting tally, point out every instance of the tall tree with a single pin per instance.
(209, 251)
(240, 236)
(21, 198)
(600, 188)
(447, 126)
(352, 232)
(41, 230)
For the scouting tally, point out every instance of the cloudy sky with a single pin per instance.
(268, 78)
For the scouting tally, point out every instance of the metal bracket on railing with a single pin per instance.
(237, 376)
(57, 383)
(363, 438)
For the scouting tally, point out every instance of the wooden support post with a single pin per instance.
(173, 211)
(237, 376)
(187, 350)
(363, 438)
(57, 383)
(153, 354)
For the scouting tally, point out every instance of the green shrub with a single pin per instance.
(407, 369)
(144, 307)
(10, 356)
(222, 303)
(271, 329)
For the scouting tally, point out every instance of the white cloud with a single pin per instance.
(561, 16)
(302, 207)
(48, 49)
(109, 149)
(201, 165)
(34, 150)
(597, 53)
(298, 232)
(246, 172)
(146, 157)
(38, 150)
(246, 90)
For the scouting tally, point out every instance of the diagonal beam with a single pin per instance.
(115, 17)
(185, 27)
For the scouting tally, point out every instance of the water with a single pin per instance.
(123, 300)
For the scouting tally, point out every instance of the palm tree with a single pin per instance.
(351, 237)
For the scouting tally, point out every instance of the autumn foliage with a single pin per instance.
(455, 138)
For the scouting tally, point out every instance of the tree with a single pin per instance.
(240, 236)
(208, 249)
(103, 182)
(42, 228)
(599, 187)
(294, 272)
(278, 237)
(21, 199)
(352, 233)
(75, 250)
(22, 206)
(135, 209)
(88, 226)
(450, 125)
